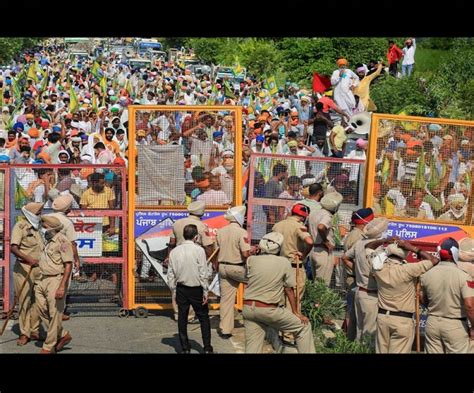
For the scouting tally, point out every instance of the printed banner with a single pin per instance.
(89, 235)
(154, 223)
(424, 232)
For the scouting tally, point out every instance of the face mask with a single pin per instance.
(33, 219)
(49, 234)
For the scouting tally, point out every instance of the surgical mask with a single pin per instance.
(42, 232)
(33, 219)
(49, 234)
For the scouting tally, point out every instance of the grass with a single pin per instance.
(427, 61)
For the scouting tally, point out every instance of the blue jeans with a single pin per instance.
(407, 69)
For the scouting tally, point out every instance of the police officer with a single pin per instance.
(269, 276)
(234, 250)
(449, 295)
(196, 211)
(360, 219)
(365, 299)
(321, 229)
(396, 282)
(62, 206)
(466, 256)
(188, 277)
(296, 244)
(27, 246)
(55, 267)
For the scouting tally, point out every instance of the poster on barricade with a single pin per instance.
(152, 235)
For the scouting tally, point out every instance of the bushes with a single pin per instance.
(319, 303)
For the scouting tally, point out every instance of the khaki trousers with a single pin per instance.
(322, 264)
(29, 319)
(258, 319)
(394, 334)
(230, 277)
(366, 308)
(444, 335)
(50, 309)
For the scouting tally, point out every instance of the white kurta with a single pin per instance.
(343, 95)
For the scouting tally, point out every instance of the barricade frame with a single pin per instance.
(119, 212)
(134, 207)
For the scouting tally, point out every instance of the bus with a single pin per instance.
(144, 45)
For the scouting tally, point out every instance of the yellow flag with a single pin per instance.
(271, 85)
(32, 72)
(103, 84)
(74, 102)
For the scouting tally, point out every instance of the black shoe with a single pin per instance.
(225, 336)
(186, 351)
(208, 350)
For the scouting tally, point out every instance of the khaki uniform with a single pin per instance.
(365, 299)
(203, 239)
(397, 292)
(445, 286)
(232, 241)
(268, 275)
(56, 253)
(294, 233)
(29, 242)
(351, 239)
(322, 263)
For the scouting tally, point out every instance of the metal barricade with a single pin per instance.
(420, 175)
(99, 214)
(276, 183)
(175, 158)
(5, 281)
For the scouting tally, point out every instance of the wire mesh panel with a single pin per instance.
(98, 214)
(182, 154)
(423, 169)
(186, 154)
(4, 291)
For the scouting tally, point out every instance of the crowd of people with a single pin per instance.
(61, 110)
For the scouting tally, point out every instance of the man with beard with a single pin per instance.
(109, 142)
(457, 211)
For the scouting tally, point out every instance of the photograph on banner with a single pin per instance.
(186, 155)
(152, 235)
(424, 170)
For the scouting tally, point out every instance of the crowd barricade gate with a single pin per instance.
(412, 161)
(101, 288)
(267, 206)
(5, 282)
(162, 179)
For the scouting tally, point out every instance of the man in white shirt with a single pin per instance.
(408, 57)
(188, 274)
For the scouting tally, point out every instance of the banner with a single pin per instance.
(431, 233)
(89, 235)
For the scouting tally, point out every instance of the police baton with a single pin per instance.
(298, 305)
(417, 315)
(10, 312)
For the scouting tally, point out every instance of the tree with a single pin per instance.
(11, 47)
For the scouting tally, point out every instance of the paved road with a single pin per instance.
(155, 334)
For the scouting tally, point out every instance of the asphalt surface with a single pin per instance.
(156, 334)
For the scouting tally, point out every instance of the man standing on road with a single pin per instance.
(449, 295)
(234, 249)
(269, 276)
(188, 276)
(396, 282)
(27, 246)
(196, 211)
(55, 266)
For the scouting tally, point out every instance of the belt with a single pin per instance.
(256, 303)
(296, 265)
(396, 313)
(51, 275)
(368, 290)
(459, 319)
(233, 264)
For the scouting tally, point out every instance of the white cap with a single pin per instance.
(236, 214)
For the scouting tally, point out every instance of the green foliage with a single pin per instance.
(341, 344)
(393, 95)
(303, 56)
(9, 47)
(172, 42)
(320, 302)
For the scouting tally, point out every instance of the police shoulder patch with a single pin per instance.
(64, 246)
(246, 240)
(470, 284)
